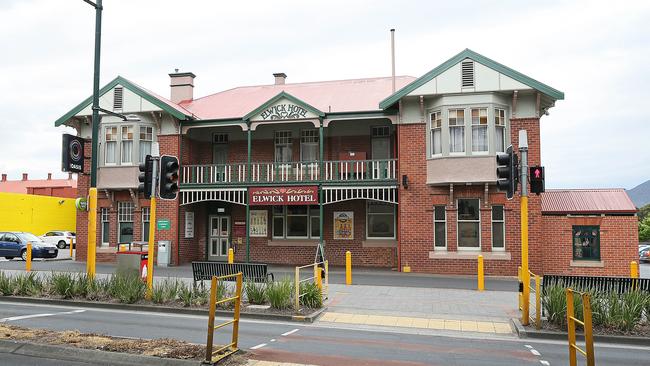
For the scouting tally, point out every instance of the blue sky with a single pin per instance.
(593, 51)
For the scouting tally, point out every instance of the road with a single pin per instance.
(318, 343)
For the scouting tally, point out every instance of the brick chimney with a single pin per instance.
(182, 86)
(69, 176)
(280, 78)
(49, 176)
(4, 177)
(24, 176)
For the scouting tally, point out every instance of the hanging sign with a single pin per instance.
(189, 224)
(81, 204)
(303, 195)
(344, 225)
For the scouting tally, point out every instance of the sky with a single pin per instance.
(596, 52)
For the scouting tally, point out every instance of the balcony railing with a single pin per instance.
(291, 172)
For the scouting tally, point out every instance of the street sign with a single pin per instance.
(81, 204)
(164, 224)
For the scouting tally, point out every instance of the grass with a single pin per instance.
(255, 293)
(279, 294)
(127, 288)
(311, 295)
(6, 285)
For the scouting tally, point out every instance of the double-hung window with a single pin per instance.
(469, 224)
(110, 153)
(479, 130)
(586, 242)
(436, 133)
(498, 228)
(125, 221)
(146, 140)
(106, 228)
(381, 220)
(127, 144)
(440, 227)
(500, 129)
(456, 130)
(309, 145)
(146, 215)
(296, 222)
(283, 151)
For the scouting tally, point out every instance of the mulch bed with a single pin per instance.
(639, 331)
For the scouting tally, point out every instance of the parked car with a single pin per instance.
(644, 254)
(60, 238)
(13, 244)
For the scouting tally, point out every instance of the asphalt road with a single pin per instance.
(314, 343)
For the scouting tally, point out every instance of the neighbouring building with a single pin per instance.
(399, 175)
(43, 187)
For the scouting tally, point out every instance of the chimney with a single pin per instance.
(49, 176)
(182, 86)
(69, 176)
(4, 177)
(24, 176)
(280, 77)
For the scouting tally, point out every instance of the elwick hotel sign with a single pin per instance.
(264, 196)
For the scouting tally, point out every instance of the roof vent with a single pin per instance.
(467, 70)
(118, 98)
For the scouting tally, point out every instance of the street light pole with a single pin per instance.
(92, 192)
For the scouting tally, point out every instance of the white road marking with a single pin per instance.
(544, 362)
(273, 340)
(529, 346)
(290, 332)
(259, 346)
(533, 351)
(14, 318)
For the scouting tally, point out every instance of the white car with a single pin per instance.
(60, 238)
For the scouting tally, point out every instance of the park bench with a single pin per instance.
(256, 272)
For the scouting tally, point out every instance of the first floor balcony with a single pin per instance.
(332, 171)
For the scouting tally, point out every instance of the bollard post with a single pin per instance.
(297, 281)
(231, 256)
(71, 255)
(634, 269)
(317, 277)
(481, 280)
(348, 268)
(538, 302)
(28, 259)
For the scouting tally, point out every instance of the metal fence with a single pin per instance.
(588, 352)
(618, 285)
(228, 349)
(317, 278)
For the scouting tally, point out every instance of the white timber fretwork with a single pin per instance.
(232, 195)
(339, 194)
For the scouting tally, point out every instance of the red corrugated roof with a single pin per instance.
(580, 201)
(20, 186)
(328, 96)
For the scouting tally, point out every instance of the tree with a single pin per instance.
(644, 229)
(644, 212)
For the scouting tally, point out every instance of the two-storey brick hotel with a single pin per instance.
(400, 174)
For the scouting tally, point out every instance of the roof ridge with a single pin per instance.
(302, 83)
(584, 189)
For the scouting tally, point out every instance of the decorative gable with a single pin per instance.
(283, 107)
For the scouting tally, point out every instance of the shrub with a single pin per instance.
(255, 293)
(185, 295)
(632, 304)
(165, 291)
(127, 288)
(6, 285)
(63, 284)
(554, 305)
(201, 295)
(279, 293)
(27, 284)
(97, 289)
(311, 295)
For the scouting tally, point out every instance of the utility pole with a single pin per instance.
(525, 274)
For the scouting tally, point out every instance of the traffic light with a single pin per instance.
(536, 179)
(507, 172)
(168, 177)
(146, 176)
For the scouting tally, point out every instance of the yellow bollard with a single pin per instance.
(481, 279)
(28, 260)
(231, 256)
(348, 268)
(521, 297)
(634, 269)
(317, 277)
(71, 248)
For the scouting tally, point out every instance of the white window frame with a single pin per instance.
(309, 137)
(123, 217)
(486, 126)
(433, 128)
(105, 218)
(502, 221)
(502, 126)
(368, 237)
(444, 222)
(114, 140)
(471, 249)
(122, 141)
(140, 140)
(456, 125)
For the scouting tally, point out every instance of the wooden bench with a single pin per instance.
(256, 272)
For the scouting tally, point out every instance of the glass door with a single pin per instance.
(219, 238)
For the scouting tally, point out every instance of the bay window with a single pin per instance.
(500, 129)
(479, 130)
(469, 224)
(127, 144)
(436, 132)
(380, 218)
(146, 140)
(456, 130)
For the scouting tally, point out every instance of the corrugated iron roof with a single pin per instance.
(353, 95)
(581, 201)
(21, 186)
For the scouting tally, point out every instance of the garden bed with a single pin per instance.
(169, 293)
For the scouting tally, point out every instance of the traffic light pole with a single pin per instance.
(523, 166)
(152, 229)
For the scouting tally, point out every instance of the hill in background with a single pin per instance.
(640, 194)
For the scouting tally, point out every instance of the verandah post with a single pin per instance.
(320, 186)
(248, 207)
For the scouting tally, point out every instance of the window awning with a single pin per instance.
(347, 193)
(232, 195)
